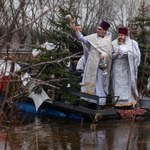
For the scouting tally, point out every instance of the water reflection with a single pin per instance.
(94, 140)
(3, 140)
(52, 134)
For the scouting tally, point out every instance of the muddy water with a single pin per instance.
(52, 134)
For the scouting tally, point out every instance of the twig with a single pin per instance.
(130, 133)
(36, 133)
(45, 12)
(56, 61)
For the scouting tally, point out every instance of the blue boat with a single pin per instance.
(48, 111)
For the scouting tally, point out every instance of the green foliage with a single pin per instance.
(49, 64)
(142, 25)
(52, 65)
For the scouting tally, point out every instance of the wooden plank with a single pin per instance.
(84, 110)
(85, 95)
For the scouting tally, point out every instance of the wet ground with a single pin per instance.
(59, 134)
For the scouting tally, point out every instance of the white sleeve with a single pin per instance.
(81, 63)
(82, 39)
(123, 50)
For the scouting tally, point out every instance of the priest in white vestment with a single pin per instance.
(7, 68)
(126, 59)
(95, 80)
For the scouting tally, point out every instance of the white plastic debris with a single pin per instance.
(38, 99)
(48, 46)
(36, 52)
(25, 78)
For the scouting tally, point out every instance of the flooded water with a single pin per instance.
(59, 134)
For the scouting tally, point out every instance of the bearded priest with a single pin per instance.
(126, 59)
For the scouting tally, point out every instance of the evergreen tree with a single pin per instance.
(52, 65)
(140, 30)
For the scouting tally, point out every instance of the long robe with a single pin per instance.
(124, 73)
(94, 81)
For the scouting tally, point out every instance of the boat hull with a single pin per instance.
(61, 109)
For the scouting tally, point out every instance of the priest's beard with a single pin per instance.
(121, 41)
